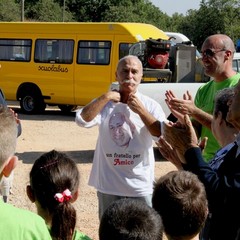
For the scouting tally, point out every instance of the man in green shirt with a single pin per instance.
(217, 56)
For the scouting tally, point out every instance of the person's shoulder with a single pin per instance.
(235, 78)
(146, 98)
(80, 236)
(237, 74)
(23, 223)
(205, 86)
(24, 214)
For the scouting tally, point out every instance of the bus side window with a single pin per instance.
(124, 49)
(54, 51)
(15, 49)
(94, 52)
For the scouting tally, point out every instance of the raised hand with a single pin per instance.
(135, 104)
(169, 153)
(180, 136)
(180, 107)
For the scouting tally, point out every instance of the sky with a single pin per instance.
(180, 6)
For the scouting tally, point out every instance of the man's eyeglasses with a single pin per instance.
(210, 53)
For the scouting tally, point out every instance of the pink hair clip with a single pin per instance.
(66, 195)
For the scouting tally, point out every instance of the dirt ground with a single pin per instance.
(54, 130)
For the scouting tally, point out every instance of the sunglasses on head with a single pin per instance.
(210, 53)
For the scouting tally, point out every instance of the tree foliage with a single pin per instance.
(213, 16)
(9, 11)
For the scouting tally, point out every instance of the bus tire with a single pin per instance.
(32, 103)
(67, 108)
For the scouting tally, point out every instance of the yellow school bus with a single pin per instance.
(63, 64)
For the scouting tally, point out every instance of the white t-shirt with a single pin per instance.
(123, 161)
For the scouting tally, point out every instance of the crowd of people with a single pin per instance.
(220, 174)
(198, 201)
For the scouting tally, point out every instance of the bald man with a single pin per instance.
(217, 56)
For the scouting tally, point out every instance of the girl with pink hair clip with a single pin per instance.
(54, 184)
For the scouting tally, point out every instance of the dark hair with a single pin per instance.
(221, 103)
(52, 173)
(180, 198)
(128, 219)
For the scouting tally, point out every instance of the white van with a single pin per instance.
(236, 62)
(177, 37)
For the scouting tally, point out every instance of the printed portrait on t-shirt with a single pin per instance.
(121, 129)
(125, 139)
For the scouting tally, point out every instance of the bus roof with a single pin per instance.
(140, 30)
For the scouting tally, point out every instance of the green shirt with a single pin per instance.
(20, 224)
(77, 235)
(204, 100)
(80, 236)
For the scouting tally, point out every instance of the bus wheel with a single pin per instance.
(31, 103)
(67, 108)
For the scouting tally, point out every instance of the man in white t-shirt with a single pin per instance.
(123, 164)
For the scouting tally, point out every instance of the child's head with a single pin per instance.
(127, 219)
(180, 198)
(54, 182)
(8, 141)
